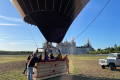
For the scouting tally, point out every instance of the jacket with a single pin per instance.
(32, 61)
(47, 58)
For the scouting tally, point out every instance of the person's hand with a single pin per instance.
(37, 50)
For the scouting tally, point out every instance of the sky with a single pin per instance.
(103, 32)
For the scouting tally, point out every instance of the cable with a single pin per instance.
(32, 36)
(93, 19)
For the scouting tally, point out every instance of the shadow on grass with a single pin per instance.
(79, 77)
(117, 70)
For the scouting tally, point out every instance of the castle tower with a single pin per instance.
(87, 41)
(66, 40)
(72, 39)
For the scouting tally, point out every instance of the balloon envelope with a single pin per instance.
(52, 17)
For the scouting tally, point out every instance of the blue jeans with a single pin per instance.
(25, 68)
(30, 73)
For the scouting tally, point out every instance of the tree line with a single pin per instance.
(108, 50)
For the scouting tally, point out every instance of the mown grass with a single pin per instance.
(11, 58)
(16, 74)
(86, 57)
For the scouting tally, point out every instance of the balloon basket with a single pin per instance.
(48, 69)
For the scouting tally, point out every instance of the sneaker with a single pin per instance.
(23, 73)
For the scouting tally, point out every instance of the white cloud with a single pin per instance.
(7, 35)
(39, 44)
(14, 43)
(11, 18)
(4, 24)
(21, 43)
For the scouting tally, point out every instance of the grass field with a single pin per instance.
(82, 67)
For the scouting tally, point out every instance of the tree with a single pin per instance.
(93, 49)
(98, 49)
(117, 49)
(109, 51)
(108, 48)
(115, 46)
(112, 49)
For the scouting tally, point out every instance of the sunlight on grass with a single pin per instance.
(10, 58)
(86, 57)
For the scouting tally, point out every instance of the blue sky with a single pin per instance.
(104, 31)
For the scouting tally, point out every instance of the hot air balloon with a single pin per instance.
(53, 18)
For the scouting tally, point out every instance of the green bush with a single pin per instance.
(98, 52)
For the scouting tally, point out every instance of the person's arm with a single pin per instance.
(37, 51)
(61, 56)
(37, 59)
(68, 60)
(59, 51)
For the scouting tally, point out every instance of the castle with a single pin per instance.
(70, 47)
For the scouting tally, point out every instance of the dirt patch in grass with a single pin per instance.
(12, 70)
(91, 68)
(10, 66)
